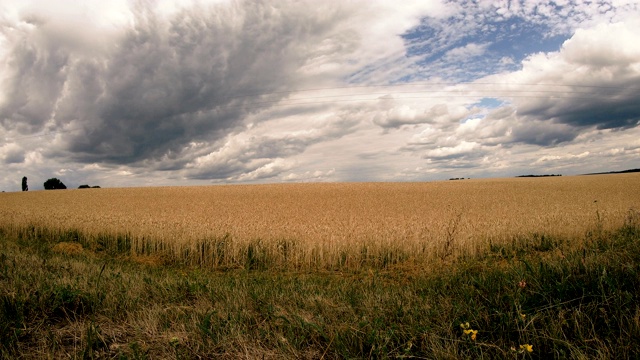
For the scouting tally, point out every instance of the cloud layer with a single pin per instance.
(134, 94)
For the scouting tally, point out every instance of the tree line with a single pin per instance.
(53, 184)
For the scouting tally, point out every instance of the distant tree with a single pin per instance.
(54, 184)
(88, 187)
(25, 187)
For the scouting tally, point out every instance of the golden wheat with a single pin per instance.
(328, 225)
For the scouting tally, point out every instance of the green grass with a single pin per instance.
(577, 303)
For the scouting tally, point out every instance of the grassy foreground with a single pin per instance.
(538, 298)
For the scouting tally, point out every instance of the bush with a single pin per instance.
(54, 184)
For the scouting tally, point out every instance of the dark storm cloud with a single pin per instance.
(38, 75)
(543, 133)
(159, 85)
(605, 108)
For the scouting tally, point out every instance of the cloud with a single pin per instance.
(501, 31)
(593, 47)
(192, 79)
(543, 133)
(163, 84)
(466, 52)
(563, 158)
(586, 84)
(207, 91)
(557, 99)
(310, 176)
(462, 149)
(169, 85)
(393, 114)
(12, 154)
(261, 155)
(269, 170)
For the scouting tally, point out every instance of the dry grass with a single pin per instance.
(67, 248)
(327, 225)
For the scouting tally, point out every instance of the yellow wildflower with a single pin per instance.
(174, 341)
(527, 347)
(472, 332)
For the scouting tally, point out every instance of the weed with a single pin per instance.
(94, 342)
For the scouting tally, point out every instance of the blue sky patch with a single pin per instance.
(465, 51)
(489, 103)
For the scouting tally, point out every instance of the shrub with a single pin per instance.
(54, 184)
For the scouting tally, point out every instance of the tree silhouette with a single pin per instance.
(25, 187)
(54, 184)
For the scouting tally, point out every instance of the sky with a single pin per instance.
(157, 93)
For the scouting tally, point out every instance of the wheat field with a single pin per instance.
(325, 225)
